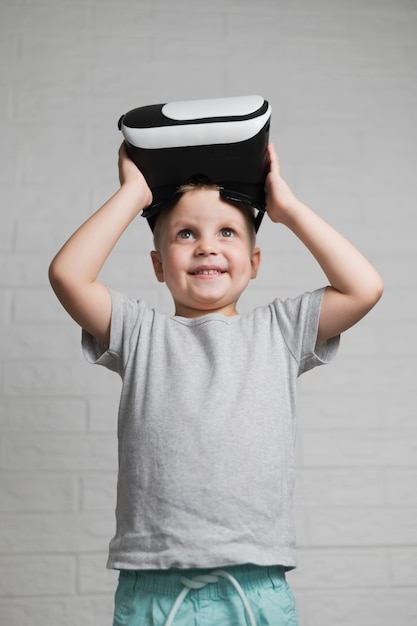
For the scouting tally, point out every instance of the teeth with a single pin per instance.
(208, 272)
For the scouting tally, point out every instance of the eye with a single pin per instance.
(185, 234)
(227, 232)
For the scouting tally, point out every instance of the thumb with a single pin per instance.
(274, 164)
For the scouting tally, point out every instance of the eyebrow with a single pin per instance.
(191, 222)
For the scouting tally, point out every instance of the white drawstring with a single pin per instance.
(198, 582)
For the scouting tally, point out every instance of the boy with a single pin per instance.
(206, 418)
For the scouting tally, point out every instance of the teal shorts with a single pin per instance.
(242, 595)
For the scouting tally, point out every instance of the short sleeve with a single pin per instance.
(299, 320)
(125, 323)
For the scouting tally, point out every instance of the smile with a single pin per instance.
(207, 272)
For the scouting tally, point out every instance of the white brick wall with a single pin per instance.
(341, 77)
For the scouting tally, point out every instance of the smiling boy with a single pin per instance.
(205, 253)
(207, 410)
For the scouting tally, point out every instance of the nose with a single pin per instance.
(206, 247)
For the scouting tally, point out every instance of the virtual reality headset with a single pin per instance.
(224, 140)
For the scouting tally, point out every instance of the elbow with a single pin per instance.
(378, 289)
(53, 275)
(368, 296)
(58, 278)
(381, 290)
(374, 292)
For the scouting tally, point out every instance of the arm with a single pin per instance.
(355, 285)
(74, 270)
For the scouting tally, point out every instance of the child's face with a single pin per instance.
(205, 254)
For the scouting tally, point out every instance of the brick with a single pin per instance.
(400, 235)
(336, 568)
(39, 236)
(29, 492)
(343, 487)
(342, 411)
(389, 309)
(39, 305)
(370, 607)
(31, 340)
(360, 526)
(7, 236)
(39, 576)
(395, 409)
(131, 269)
(173, 47)
(363, 448)
(55, 533)
(107, 48)
(401, 329)
(370, 376)
(196, 27)
(98, 492)
(9, 172)
(5, 306)
(301, 527)
(35, 203)
(46, 105)
(71, 611)
(94, 577)
(27, 270)
(60, 452)
(141, 17)
(41, 71)
(400, 485)
(56, 378)
(397, 270)
(36, 142)
(103, 411)
(404, 566)
(76, 18)
(31, 414)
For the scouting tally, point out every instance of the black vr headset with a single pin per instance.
(224, 140)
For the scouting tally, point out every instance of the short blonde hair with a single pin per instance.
(199, 181)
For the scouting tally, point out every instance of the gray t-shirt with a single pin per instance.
(207, 430)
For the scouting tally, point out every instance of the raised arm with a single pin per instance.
(74, 270)
(355, 285)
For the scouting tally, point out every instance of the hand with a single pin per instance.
(280, 200)
(130, 174)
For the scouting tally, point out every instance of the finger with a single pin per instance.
(273, 158)
(122, 150)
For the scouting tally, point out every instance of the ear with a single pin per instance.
(255, 261)
(157, 265)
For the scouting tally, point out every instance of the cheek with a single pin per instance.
(173, 263)
(242, 261)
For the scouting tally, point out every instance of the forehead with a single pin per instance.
(204, 205)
